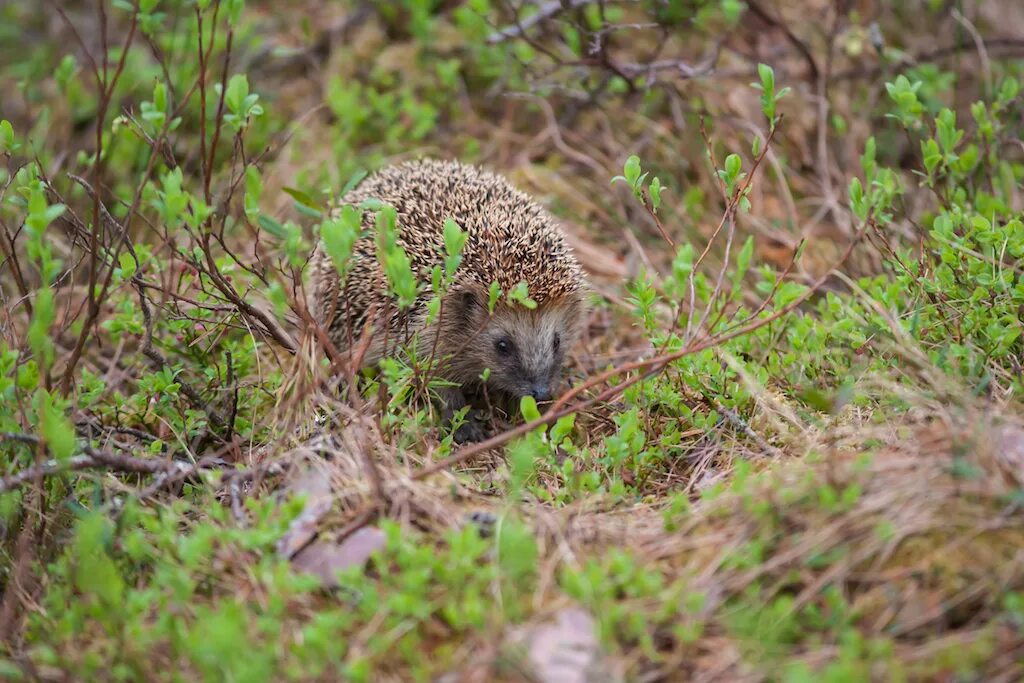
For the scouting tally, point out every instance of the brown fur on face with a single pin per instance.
(524, 349)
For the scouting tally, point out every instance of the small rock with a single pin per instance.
(567, 650)
(314, 483)
(304, 527)
(1010, 451)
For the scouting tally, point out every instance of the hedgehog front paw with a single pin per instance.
(472, 428)
(471, 431)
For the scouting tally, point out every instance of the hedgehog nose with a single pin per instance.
(540, 392)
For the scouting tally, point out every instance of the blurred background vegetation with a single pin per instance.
(796, 449)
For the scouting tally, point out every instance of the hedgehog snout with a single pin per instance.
(545, 379)
(541, 385)
(521, 383)
(541, 391)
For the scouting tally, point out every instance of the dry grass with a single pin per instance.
(921, 555)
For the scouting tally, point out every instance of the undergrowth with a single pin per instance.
(795, 468)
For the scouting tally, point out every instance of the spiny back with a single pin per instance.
(511, 239)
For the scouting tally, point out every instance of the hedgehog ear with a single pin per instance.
(468, 302)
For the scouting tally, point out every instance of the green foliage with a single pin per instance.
(56, 430)
(167, 561)
(397, 266)
(520, 294)
(769, 97)
(241, 104)
(7, 142)
(633, 177)
(339, 235)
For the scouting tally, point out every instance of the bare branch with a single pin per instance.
(544, 12)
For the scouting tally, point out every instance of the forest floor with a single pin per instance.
(795, 449)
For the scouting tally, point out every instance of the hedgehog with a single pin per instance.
(500, 354)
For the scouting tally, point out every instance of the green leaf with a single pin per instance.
(56, 429)
(66, 71)
(7, 137)
(945, 126)
(306, 210)
(528, 408)
(301, 197)
(339, 236)
(395, 261)
(655, 191)
(40, 213)
(682, 264)
(253, 191)
(931, 155)
(733, 164)
(43, 315)
(767, 88)
(173, 200)
(631, 174)
(127, 263)
(562, 428)
(236, 94)
(356, 178)
(520, 294)
(454, 243)
(517, 551)
(1008, 90)
(857, 203)
(234, 11)
(95, 573)
(522, 457)
(239, 102)
(856, 191)
(631, 169)
(493, 294)
(160, 96)
(273, 226)
(767, 75)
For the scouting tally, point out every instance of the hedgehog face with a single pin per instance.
(524, 349)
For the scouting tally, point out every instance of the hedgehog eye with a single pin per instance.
(503, 346)
(557, 342)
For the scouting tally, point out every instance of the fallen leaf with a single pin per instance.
(325, 559)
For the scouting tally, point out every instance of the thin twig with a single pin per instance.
(90, 458)
(544, 12)
(160, 362)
